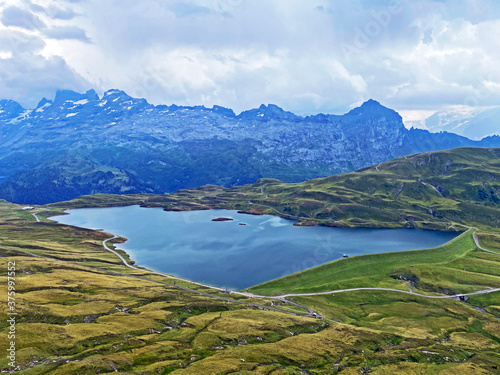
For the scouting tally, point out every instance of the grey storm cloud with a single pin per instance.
(15, 16)
(67, 32)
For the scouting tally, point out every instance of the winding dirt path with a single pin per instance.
(36, 217)
(476, 240)
(454, 296)
(284, 297)
(412, 292)
(248, 295)
(261, 307)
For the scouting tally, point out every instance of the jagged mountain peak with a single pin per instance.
(373, 108)
(271, 111)
(114, 93)
(10, 109)
(8, 102)
(228, 112)
(272, 108)
(43, 103)
(122, 99)
(174, 147)
(91, 95)
(73, 96)
(371, 103)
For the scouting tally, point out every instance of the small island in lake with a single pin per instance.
(223, 219)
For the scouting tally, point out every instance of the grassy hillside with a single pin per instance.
(431, 270)
(430, 190)
(81, 311)
(448, 190)
(75, 317)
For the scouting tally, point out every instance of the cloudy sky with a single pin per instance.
(307, 56)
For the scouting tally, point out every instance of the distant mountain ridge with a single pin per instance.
(82, 144)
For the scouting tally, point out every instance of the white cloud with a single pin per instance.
(28, 78)
(17, 43)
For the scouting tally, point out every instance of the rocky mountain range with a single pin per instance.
(82, 144)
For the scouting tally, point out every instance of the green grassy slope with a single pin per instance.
(423, 190)
(383, 270)
(76, 320)
(446, 190)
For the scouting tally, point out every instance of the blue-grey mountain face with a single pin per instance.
(10, 109)
(80, 144)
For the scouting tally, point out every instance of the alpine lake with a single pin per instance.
(242, 252)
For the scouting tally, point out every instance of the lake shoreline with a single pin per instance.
(255, 208)
(230, 251)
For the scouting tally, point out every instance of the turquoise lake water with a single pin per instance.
(226, 254)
